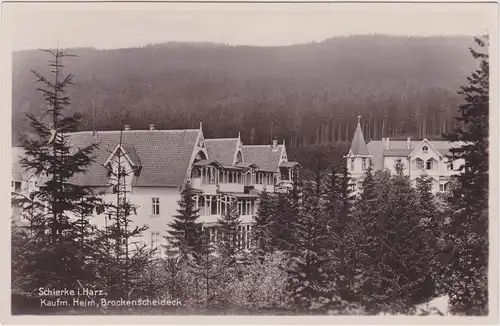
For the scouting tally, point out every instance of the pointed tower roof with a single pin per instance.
(358, 145)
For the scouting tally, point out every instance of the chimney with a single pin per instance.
(408, 143)
(127, 127)
(387, 143)
(275, 144)
(152, 127)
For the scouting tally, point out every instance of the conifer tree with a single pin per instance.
(288, 212)
(345, 250)
(228, 231)
(185, 232)
(431, 223)
(122, 255)
(401, 265)
(205, 267)
(468, 233)
(364, 233)
(306, 268)
(262, 227)
(55, 259)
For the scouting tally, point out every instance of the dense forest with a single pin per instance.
(304, 94)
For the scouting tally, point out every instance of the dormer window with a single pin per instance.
(425, 149)
(450, 166)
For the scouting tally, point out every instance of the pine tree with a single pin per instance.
(122, 256)
(431, 223)
(288, 212)
(468, 233)
(205, 267)
(345, 249)
(185, 232)
(402, 264)
(263, 219)
(306, 268)
(365, 234)
(228, 231)
(55, 258)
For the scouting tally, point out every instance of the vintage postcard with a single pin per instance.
(292, 163)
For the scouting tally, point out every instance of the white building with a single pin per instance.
(220, 170)
(418, 157)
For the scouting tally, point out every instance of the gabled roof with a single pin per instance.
(430, 144)
(132, 154)
(129, 153)
(165, 155)
(398, 148)
(222, 149)
(207, 162)
(247, 165)
(263, 155)
(358, 144)
(288, 164)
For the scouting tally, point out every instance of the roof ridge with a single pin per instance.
(130, 131)
(260, 145)
(208, 139)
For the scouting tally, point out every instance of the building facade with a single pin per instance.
(221, 171)
(418, 158)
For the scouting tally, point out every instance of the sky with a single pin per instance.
(118, 25)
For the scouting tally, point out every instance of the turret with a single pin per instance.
(358, 157)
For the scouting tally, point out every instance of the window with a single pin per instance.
(425, 149)
(155, 240)
(450, 166)
(155, 206)
(195, 174)
(441, 187)
(428, 164)
(364, 164)
(213, 206)
(352, 164)
(420, 164)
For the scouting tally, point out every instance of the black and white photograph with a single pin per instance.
(247, 159)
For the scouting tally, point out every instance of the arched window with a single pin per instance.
(425, 149)
(239, 157)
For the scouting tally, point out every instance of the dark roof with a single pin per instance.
(263, 156)
(358, 144)
(164, 155)
(222, 150)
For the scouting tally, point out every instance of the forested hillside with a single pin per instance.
(304, 94)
